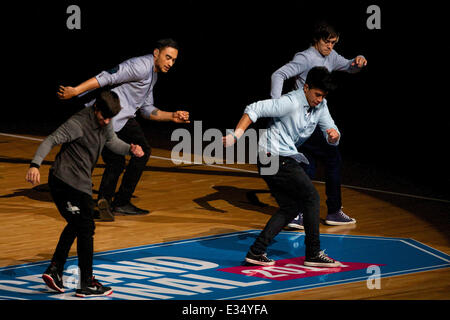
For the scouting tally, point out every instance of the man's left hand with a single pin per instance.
(333, 135)
(181, 117)
(360, 61)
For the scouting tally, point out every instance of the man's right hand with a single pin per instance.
(228, 140)
(65, 93)
(33, 176)
(136, 150)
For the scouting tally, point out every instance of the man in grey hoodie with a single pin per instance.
(83, 137)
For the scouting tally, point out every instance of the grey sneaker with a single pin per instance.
(297, 223)
(259, 259)
(321, 260)
(339, 218)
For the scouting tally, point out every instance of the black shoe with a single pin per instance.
(96, 214)
(321, 260)
(104, 210)
(53, 278)
(259, 259)
(130, 209)
(94, 289)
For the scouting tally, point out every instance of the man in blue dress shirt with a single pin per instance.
(133, 81)
(321, 53)
(294, 118)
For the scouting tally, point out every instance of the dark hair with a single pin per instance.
(108, 104)
(164, 43)
(323, 30)
(320, 78)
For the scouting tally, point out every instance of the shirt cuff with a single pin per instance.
(102, 79)
(34, 165)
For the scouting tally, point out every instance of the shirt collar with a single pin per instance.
(317, 53)
(305, 104)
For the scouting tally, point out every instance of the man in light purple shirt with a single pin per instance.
(133, 81)
(321, 53)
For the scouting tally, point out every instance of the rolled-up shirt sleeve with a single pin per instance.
(270, 108)
(128, 71)
(148, 106)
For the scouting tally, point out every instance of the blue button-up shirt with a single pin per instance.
(133, 81)
(292, 123)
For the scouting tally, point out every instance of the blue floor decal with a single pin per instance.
(211, 268)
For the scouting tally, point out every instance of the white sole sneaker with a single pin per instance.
(259, 263)
(336, 223)
(51, 283)
(85, 295)
(335, 264)
(295, 226)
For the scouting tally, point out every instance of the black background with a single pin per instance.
(392, 115)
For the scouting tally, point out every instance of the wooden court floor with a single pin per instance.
(188, 201)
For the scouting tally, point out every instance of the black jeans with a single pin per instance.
(316, 148)
(294, 192)
(115, 165)
(76, 208)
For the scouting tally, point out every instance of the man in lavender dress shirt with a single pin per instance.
(133, 81)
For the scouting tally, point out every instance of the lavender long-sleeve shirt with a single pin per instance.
(133, 81)
(305, 61)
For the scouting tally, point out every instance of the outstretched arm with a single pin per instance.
(65, 93)
(242, 125)
(350, 66)
(177, 116)
(68, 131)
(359, 61)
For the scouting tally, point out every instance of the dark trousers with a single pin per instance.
(76, 208)
(293, 190)
(115, 165)
(316, 148)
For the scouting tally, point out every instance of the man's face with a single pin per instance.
(103, 122)
(325, 46)
(314, 96)
(165, 58)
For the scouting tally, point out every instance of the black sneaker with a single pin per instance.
(104, 210)
(53, 278)
(130, 209)
(259, 259)
(94, 289)
(321, 260)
